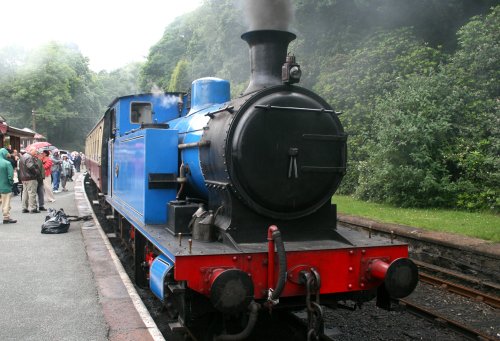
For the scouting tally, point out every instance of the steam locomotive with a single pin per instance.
(227, 202)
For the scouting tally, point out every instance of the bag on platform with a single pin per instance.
(56, 221)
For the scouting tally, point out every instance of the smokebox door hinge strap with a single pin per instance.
(292, 166)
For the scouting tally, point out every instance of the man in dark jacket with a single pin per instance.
(6, 182)
(29, 173)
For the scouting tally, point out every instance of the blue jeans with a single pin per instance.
(56, 177)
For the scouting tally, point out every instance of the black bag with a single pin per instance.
(56, 221)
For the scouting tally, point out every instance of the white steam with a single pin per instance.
(166, 100)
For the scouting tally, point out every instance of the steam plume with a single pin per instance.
(268, 14)
(166, 101)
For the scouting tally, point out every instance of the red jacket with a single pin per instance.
(47, 165)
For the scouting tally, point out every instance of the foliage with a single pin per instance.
(405, 157)
(120, 82)
(180, 80)
(56, 83)
(475, 73)
(437, 141)
(196, 42)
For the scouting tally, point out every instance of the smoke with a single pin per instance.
(268, 14)
(166, 100)
(156, 90)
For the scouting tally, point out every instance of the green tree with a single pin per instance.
(180, 80)
(405, 164)
(475, 72)
(56, 82)
(120, 82)
(437, 135)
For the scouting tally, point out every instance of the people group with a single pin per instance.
(40, 172)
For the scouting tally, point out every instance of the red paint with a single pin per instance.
(132, 233)
(94, 169)
(341, 270)
(378, 269)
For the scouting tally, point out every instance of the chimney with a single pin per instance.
(268, 49)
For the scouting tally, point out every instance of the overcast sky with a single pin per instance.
(111, 33)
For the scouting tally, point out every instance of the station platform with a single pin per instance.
(68, 286)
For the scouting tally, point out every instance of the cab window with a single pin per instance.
(140, 113)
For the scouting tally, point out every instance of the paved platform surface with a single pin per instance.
(64, 286)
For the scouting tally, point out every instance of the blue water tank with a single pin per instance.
(207, 91)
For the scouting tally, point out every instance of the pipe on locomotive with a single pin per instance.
(274, 238)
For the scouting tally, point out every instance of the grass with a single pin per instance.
(473, 224)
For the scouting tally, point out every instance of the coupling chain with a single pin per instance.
(314, 310)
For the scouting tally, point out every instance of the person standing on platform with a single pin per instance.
(66, 172)
(6, 182)
(56, 170)
(77, 161)
(47, 165)
(14, 160)
(39, 188)
(29, 172)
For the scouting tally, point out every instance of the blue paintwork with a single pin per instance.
(139, 226)
(157, 272)
(208, 91)
(164, 107)
(138, 154)
(211, 94)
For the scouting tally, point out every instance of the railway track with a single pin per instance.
(452, 286)
(434, 316)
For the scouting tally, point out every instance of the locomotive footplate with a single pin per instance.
(196, 261)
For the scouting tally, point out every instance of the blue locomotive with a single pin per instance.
(227, 201)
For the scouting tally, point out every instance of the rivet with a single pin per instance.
(350, 286)
(350, 268)
(351, 252)
(249, 274)
(362, 285)
(249, 257)
(363, 251)
(234, 259)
